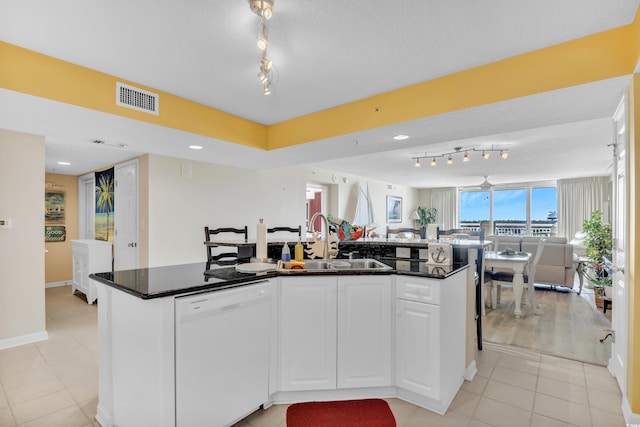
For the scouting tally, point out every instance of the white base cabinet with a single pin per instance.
(364, 331)
(430, 339)
(307, 329)
(89, 256)
(331, 338)
(335, 332)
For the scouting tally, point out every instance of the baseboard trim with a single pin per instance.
(470, 371)
(630, 418)
(104, 417)
(56, 284)
(23, 339)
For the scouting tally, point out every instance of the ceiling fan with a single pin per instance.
(486, 185)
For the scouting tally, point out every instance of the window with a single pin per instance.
(510, 211)
(475, 206)
(544, 211)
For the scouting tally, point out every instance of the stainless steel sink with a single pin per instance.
(332, 265)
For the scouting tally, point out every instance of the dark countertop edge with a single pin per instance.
(430, 276)
(193, 289)
(259, 276)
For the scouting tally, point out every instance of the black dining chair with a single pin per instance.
(225, 254)
(296, 230)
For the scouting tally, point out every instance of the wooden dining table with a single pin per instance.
(518, 263)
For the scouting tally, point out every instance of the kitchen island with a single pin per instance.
(182, 345)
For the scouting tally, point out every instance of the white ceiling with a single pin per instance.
(327, 53)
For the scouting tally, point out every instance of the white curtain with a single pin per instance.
(577, 198)
(444, 200)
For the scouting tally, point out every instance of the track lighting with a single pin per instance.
(504, 153)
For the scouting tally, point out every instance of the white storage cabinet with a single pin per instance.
(430, 339)
(89, 256)
(335, 332)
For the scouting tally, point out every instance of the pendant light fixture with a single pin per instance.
(264, 10)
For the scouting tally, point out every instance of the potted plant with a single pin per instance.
(599, 244)
(425, 217)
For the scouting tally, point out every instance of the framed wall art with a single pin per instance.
(394, 209)
(54, 207)
(55, 233)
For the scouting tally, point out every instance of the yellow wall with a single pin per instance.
(22, 245)
(30, 72)
(58, 260)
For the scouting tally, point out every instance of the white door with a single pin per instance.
(126, 216)
(619, 316)
(417, 348)
(308, 333)
(86, 206)
(364, 331)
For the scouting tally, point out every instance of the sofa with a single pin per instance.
(556, 266)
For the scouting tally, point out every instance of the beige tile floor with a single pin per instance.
(54, 383)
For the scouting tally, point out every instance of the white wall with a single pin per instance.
(22, 309)
(179, 207)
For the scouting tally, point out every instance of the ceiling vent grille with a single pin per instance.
(137, 99)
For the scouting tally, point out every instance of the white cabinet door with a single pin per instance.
(418, 348)
(308, 333)
(89, 256)
(364, 331)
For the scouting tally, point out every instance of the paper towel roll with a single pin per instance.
(261, 240)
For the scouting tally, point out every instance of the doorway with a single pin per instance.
(316, 203)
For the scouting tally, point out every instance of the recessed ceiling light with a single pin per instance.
(196, 147)
(401, 137)
(64, 163)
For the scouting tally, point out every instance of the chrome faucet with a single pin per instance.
(325, 255)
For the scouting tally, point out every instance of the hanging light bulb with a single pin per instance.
(466, 157)
(266, 64)
(504, 154)
(262, 8)
(449, 160)
(433, 162)
(417, 162)
(262, 43)
(485, 155)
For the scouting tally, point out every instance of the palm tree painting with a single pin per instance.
(104, 205)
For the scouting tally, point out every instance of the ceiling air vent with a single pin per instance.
(137, 99)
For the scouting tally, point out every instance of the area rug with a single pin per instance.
(345, 413)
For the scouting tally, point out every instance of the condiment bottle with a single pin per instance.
(299, 251)
(286, 254)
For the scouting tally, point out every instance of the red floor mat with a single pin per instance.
(345, 413)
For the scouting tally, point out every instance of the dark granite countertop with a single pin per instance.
(157, 282)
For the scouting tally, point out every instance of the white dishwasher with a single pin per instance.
(222, 354)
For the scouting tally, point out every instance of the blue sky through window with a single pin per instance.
(508, 204)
